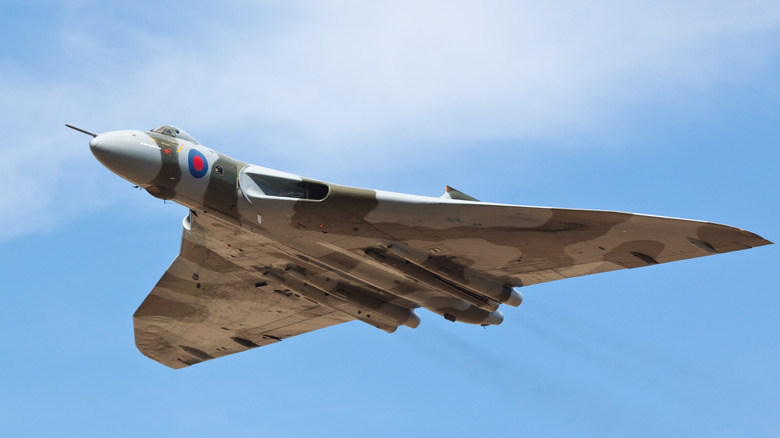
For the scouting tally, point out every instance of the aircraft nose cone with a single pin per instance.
(129, 154)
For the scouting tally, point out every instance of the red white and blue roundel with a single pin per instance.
(198, 164)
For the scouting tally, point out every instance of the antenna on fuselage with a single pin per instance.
(81, 130)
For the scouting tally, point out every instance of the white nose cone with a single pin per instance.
(130, 154)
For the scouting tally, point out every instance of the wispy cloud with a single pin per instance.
(339, 75)
(443, 69)
(339, 72)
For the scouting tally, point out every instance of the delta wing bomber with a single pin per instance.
(267, 255)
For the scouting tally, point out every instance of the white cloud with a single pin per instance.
(454, 69)
(344, 74)
(339, 72)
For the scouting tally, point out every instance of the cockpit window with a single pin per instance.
(173, 131)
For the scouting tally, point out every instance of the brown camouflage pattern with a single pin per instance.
(255, 269)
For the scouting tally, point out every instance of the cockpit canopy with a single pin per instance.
(173, 131)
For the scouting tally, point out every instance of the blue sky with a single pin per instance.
(655, 107)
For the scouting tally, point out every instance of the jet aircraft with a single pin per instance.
(267, 255)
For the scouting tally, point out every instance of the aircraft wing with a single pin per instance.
(522, 246)
(374, 257)
(206, 307)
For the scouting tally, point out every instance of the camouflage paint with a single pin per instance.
(255, 269)
(164, 184)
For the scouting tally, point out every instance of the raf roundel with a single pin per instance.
(198, 164)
